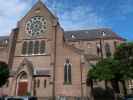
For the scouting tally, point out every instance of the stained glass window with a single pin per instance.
(24, 48)
(67, 72)
(36, 47)
(45, 83)
(30, 47)
(36, 26)
(107, 50)
(42, 47)
(98, 47)
(38, 83)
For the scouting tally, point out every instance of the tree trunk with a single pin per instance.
(92, 90)
(106, 84)
(115, 87)
(124, 87)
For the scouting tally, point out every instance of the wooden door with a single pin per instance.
(22, 88)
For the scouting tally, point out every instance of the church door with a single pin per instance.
(22, 88)
(22, 85)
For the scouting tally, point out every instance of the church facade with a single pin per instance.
(46, 61)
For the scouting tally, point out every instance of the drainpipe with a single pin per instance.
(81, 69)
(54, 61)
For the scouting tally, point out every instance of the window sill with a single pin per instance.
(46, 54)
(67, 83)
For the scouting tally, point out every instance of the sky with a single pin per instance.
(74, 14)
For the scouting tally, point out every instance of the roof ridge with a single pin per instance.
(4, 36)
(89, 29)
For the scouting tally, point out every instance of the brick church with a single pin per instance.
(46, 61)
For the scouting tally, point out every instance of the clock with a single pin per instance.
(36, 26)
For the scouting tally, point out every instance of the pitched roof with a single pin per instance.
(91, 34)
(38, 4)
(85, 35)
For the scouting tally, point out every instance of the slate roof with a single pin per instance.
(85, 35)
(90, 34)
(4, 38)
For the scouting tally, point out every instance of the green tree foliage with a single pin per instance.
(118, 68)
(4, 73)
(124, 53)
(104, 69)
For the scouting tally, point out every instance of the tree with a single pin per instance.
(105, 70)
(124, 53)
(118, 68)
(4, 73)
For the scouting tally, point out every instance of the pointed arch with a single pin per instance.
(107, 50)
(36, 47)
(30, 47)
(42, 47)
(24, 48)
(27, 66)
(22, 83)
(67, 72)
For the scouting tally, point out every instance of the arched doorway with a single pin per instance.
(22, 84)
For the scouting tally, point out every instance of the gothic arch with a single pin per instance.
(24, 76)
(25, 66)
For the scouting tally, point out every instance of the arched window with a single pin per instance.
(42, 47)
(30, 48)
(45, 83)
(67, 72)
(38, 83)
(24, 48)
(36, 47)
(115, 44)
(34, 83)
(107, 50)
(98, 47)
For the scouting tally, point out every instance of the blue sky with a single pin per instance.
(75, 14)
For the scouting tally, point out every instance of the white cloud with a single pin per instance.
(75, 17)
(80, 17)
(10, 12)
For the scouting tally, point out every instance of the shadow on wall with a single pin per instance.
(104, 94)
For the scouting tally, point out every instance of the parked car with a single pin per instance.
(20, 98)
